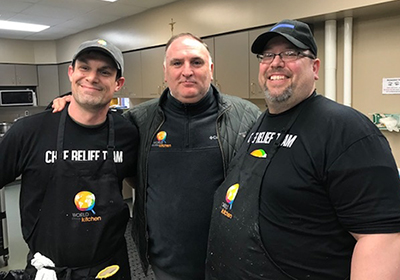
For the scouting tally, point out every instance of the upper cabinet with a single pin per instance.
(133, 76)
(231, 64)
(255, 90)
(48, 87)
(63, 79)
(210, 44)
(144, 75)
(152, 72)
(18, 75)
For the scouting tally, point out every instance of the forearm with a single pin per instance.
(376, 256)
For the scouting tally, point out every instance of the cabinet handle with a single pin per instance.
(218, 85)
(252, 92)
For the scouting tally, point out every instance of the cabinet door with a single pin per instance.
(255, 90)
(63, 79)
(152, 72)
(210, 44)
(26, 75)
(232, 64)
(133, 76)
(7, 77)
(48, 88)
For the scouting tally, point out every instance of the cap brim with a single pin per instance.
(259, 44)
(107, 52)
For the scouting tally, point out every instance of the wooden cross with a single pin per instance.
(172, 23)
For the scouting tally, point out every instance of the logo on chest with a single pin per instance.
(226, 206)
(85, 202)
(161, 140)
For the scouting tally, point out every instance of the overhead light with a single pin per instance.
(20, 26)
(110, 0)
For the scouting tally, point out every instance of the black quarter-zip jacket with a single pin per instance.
(180, 195)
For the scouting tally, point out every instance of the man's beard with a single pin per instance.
(92, 104)
(284, 96)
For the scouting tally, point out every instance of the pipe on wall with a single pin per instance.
(330, 59)
(347, 57)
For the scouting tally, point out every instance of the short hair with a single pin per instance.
(190, 35)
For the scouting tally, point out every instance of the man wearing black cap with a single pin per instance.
(72, 163)
(314, 191)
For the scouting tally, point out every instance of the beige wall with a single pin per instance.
(376, 54)
(201, 17)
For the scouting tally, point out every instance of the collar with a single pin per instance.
(190, 108)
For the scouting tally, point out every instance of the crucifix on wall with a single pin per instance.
(172, 23)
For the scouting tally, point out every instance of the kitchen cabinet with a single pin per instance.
(152, 72)
(232, 64)
(133, 76)
(210, 44)
(255, 91)
(48, 87)
(63, 79)
(18, 75)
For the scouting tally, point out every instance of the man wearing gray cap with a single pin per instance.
(72, 163)
(314, 191)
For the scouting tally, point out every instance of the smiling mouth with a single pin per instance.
(90, 87)
(277, 77)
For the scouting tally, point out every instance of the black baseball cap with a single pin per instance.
(296, 32)
(103, 46)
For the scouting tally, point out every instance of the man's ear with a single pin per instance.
(120, 83)
(70, 71)
(316, 65)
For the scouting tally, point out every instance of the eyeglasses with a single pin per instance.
(286, 56)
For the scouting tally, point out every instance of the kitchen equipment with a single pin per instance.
(4, 126)
(18, 97)
(3, 229)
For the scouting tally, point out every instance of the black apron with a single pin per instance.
(235, 248)
(83, 217)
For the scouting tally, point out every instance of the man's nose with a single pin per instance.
(187, 69)
(277, 61)
(92, 76)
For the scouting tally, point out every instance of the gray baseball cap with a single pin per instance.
(104, 46)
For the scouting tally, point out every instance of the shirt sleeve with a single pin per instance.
(365, 188)
(10, 155)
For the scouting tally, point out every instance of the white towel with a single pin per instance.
(39, 262)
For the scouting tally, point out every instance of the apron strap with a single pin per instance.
(284, 131)
(61, 130)
(111, 136)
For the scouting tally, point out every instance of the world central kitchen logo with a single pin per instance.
(161, 140)
(85, 202)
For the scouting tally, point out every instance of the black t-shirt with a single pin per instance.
(29, 148)
(333, 174)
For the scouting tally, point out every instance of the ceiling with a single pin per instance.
(66, 17)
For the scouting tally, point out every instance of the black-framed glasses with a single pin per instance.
(286, 56)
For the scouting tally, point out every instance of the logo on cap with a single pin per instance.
(283, 25)
(102, 42)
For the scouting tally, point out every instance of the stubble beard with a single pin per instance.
(91, 104)
(283, 97)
